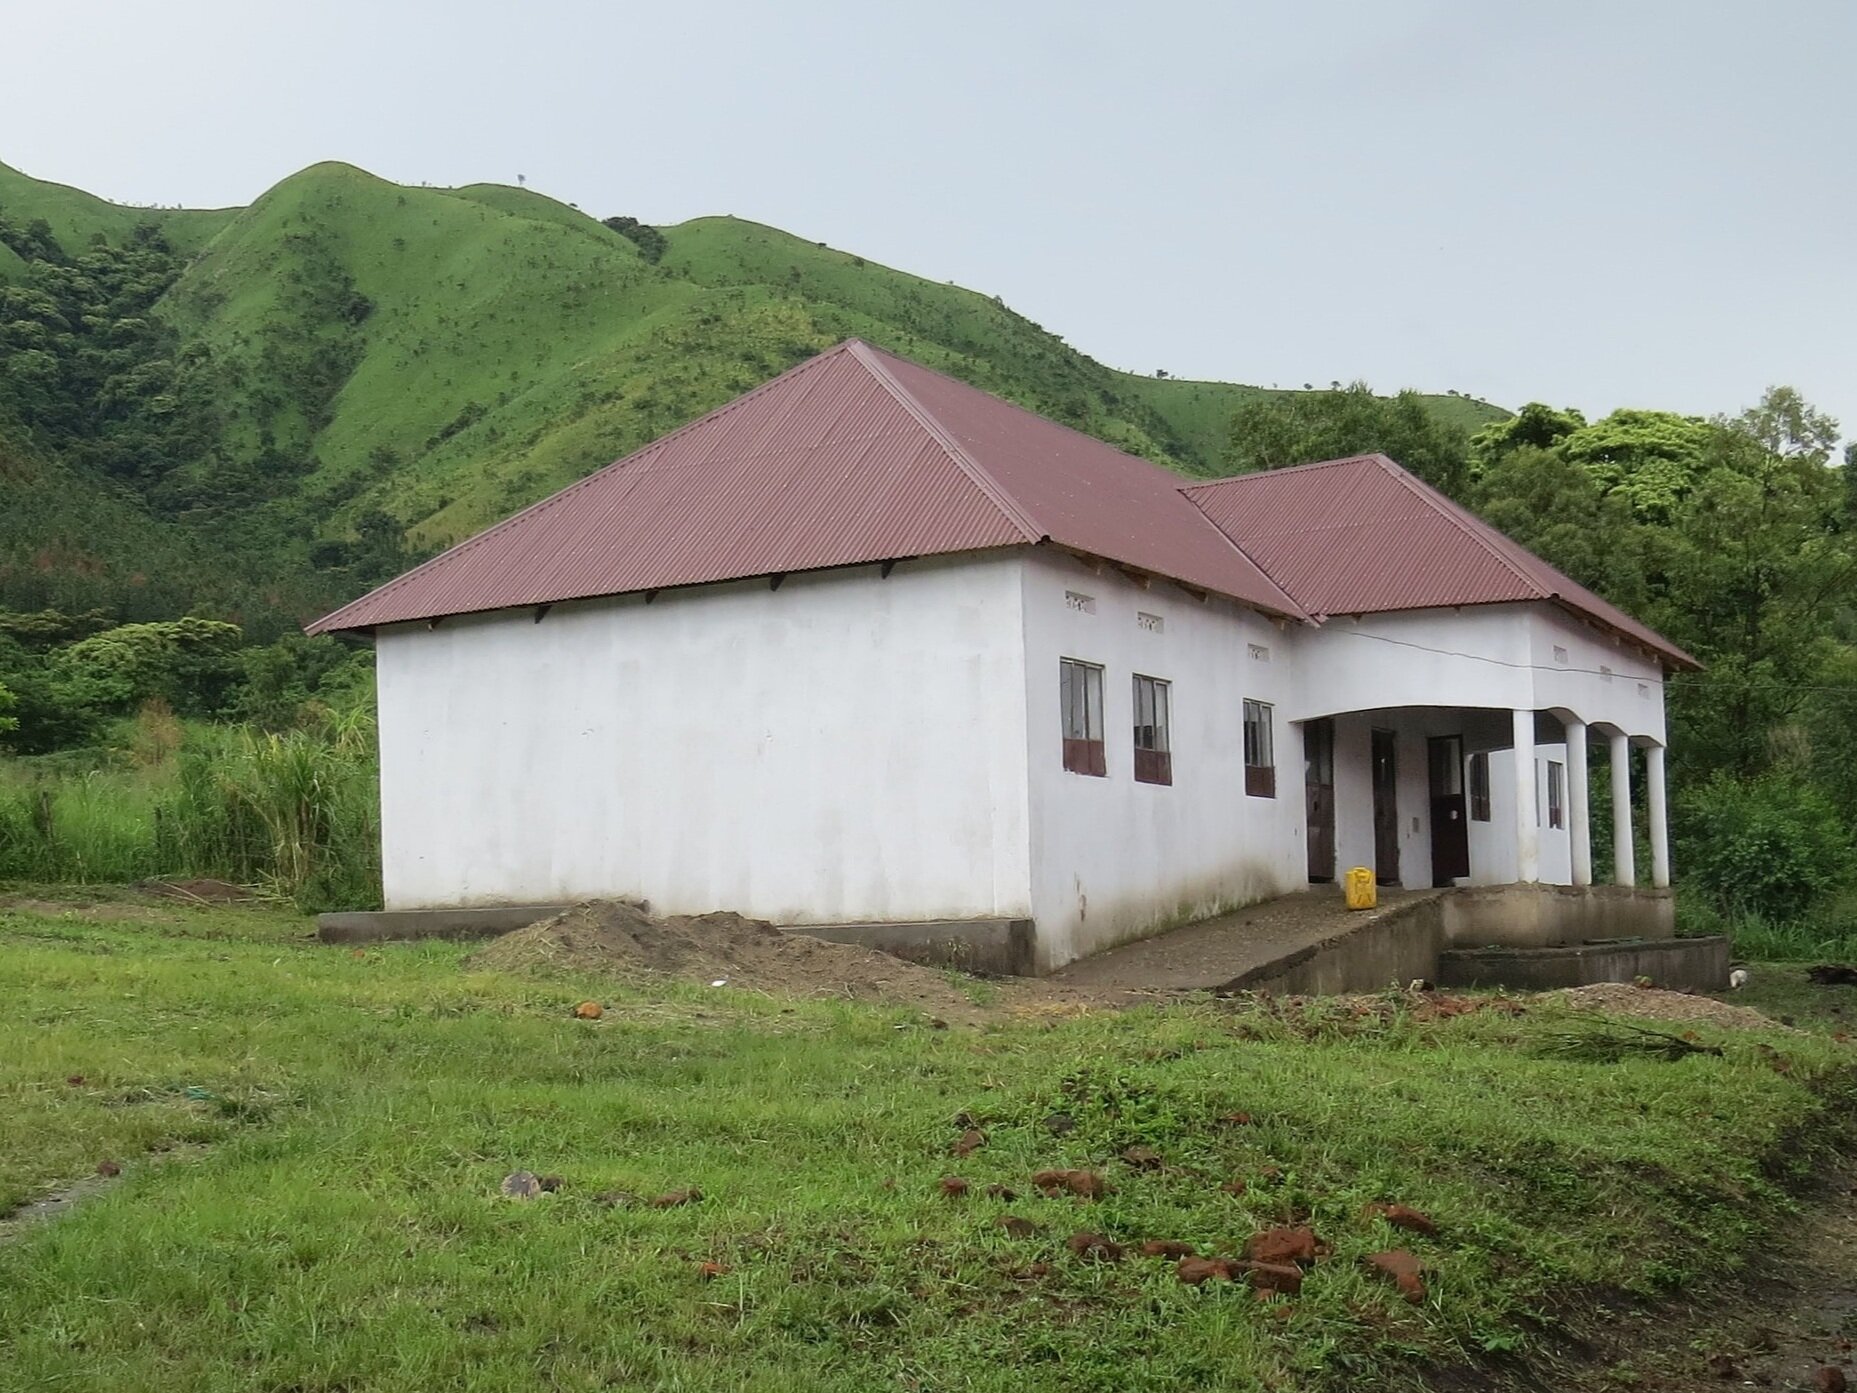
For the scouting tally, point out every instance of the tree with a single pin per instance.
(191, 663)
(8, 721)
(1273, 432)
(1756, 569)
(650, 242)
(1652, 459)
(1535, 425)
(1552, 506)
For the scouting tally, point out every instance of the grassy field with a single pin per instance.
(312, 1141)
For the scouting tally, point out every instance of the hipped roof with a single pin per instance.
(859, 456)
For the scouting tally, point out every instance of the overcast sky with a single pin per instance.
(1595, 204)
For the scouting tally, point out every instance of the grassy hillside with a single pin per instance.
(382, 359)
(76, 216)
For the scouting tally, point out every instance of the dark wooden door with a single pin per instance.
(1318, 783)
(1385, 808)
(1450, 827)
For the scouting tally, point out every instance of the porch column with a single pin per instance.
(1527, 833)
(1579, 824)
(1623, 869)
(1659, 815)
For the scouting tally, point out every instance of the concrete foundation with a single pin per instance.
(991, 947)
(1537, 916)
(1680, 964)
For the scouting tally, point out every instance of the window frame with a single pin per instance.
(1154, 762)
(1556, 794)
(1476, 786)
(1086, 753)
(1260, 748)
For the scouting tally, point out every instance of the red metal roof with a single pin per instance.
(1361, 535)
(854, 456)
(858, 456)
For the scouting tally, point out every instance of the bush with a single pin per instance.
(1769, 847)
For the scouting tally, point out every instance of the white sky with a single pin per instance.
(1595, 204)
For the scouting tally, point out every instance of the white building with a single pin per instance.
(868, 644)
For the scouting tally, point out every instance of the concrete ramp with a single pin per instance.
(1307, 942)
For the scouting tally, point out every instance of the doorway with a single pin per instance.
(1318, 784)
(1450, 828)
(1385, 807)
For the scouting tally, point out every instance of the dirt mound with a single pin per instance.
(616, 938)
(1651, 1003)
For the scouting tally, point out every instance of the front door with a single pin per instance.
(1318, 784)
(1385, 808)
(1450, 831)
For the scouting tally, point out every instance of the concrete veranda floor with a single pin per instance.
(1211, 953)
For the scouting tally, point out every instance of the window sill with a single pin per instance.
(1154, 767)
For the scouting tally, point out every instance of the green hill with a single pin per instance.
(369, 371)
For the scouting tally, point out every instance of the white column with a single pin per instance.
(1579, 822)
(1527, 831)
(1623, 869)
(1659, 815)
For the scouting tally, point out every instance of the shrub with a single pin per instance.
(1768, 847)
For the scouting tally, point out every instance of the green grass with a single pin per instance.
(75, 216)
(1783, 991)
(334, 1222)
(1828, 934)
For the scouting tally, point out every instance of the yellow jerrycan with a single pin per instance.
(1361, 891)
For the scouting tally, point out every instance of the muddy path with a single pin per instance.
(1787, 1322)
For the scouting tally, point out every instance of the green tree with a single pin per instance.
(650, 242)
(191, 663)
(1535, 426)
(1651, 459)
(1757, 567)
(1297, 428)
(8, 721)
(1553, 507)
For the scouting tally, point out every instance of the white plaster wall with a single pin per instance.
(1113, 858)
(1492, 843)
(1494, 656)
(1631, 698)
(846, 747)
(1433, 657)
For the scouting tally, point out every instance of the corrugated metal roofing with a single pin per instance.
(859, 456)
(1361, 535)
(853, 456)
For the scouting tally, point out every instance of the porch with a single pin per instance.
(1496, 803)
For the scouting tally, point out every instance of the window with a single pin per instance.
(1260, 759)
(1479, 786)
(1153, 754)
(1080, 693)
(1557, 793)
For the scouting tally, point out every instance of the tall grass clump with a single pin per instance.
(294, 814)
(1827, 933)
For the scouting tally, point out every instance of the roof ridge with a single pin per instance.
(1308, 615)
(1465, 521)
(1306, 465)
(326, 623)
(995, 491)
(873, 356)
